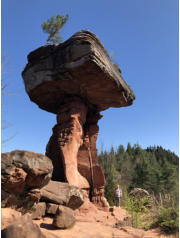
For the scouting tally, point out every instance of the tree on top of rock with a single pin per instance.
(53, 27)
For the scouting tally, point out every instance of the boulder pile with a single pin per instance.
(27, 188)
(23, 174)
(55, 196)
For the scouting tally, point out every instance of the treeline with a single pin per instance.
(154, 169)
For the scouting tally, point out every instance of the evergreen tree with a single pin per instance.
(129, 148)
(110, 187)
(53, 27)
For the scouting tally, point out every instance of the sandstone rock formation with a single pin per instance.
(23, 173)
(76, 80)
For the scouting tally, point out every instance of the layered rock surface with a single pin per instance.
(76, 80)
(80, 66)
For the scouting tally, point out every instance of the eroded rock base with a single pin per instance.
(72, 149)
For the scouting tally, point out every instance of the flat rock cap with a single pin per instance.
(78, 67)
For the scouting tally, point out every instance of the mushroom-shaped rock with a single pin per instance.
(76, 80)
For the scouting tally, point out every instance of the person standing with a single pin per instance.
(117, 196)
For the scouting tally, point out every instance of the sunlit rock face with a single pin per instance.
(76, 80)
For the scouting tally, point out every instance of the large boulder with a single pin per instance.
(24, 169)
(23, 173)
(22, 228)
(62, 194)
(64, 218)
(79, 66)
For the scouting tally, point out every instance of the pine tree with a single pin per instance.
(53, 27)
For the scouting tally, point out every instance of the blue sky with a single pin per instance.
(143, 37)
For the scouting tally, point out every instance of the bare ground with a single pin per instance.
(94, 223)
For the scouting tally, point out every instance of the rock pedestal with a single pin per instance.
(72, 148)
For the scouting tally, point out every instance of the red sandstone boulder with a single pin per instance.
(22, 169)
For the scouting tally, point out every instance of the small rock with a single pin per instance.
(111, 209)
(64, 218)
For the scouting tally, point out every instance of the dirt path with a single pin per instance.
(93, 223)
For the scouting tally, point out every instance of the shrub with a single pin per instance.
(136, 207)
(168, 219)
